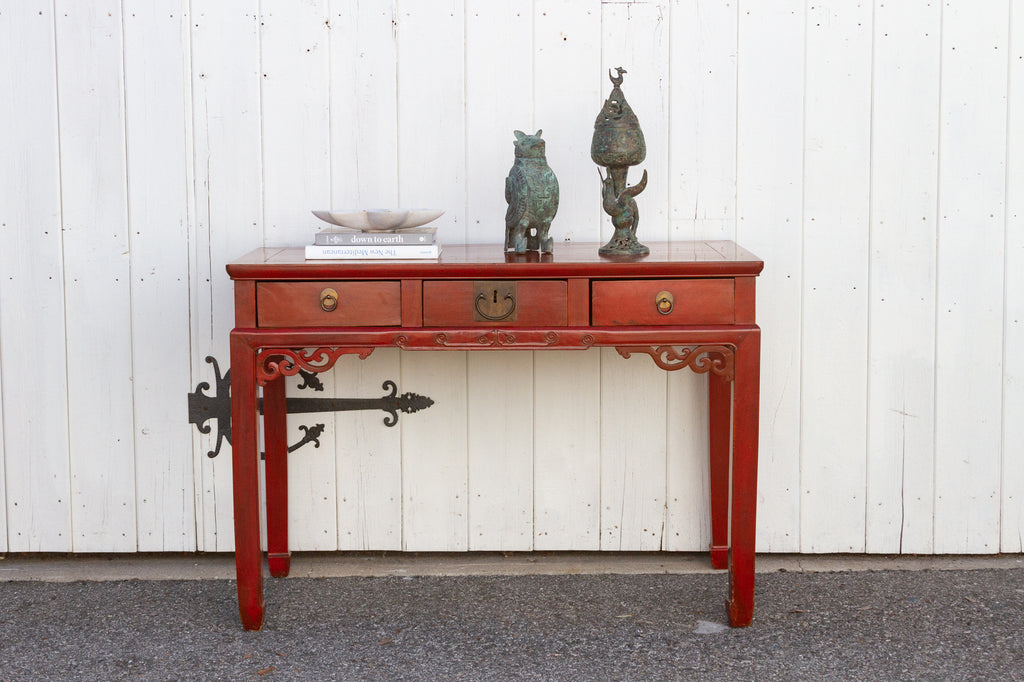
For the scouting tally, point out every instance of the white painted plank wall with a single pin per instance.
(902, 280)
(499, 385)
(634, 485)
(368, 458)
(837, 163)
(1011, 520)
(971, 241)
(3, 478)
(295, 65)
(703, 128)
(567, 447)
(33, 358)
(229, 214)
(769, 201)
(702, 204)
(97, 271)
(870, 154)
(567, 79)
(364, 172)
(432, 172)
(159, 165)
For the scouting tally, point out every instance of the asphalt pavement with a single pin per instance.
(854, 619)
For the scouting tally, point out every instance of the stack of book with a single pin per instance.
(342, 243)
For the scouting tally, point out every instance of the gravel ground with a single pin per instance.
(874, 625)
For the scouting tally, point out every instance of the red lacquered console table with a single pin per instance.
(686, 305)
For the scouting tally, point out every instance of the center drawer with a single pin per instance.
(518, 303)
(328, 304)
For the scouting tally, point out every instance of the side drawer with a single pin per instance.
(635, 302)
(298, 304)
(518, 303)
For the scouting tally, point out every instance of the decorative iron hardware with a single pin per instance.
(392, 403)
(202, 408)
(310, 380)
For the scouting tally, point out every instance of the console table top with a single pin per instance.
(677, 259)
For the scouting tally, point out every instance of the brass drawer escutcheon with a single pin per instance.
(665, 302)
(328, 300)
(494, 301)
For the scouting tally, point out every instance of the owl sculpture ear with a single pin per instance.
(519, 135)
(537, 134)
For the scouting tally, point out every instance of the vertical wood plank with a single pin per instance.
(969, 321)
(1012, 510)
(3, 477)
(901, 320)
(369, 456)
(567, 450)
(431, 110)
(158, 129)
(769, 207)
(567, 95)
(434, 455)
(98, 274)
(837, 170)
(500, 385)
(501, 409)
(495, 107)
(633, 393)
(229, 217)
(432, 172)
(364, 104)
(38, 488)
(638, 38)
(295, 111)
(294, 72)
(364, 172)
(701, 140)
(702, 129)
(633, 439)
(688, 518)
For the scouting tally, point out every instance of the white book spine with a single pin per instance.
(396, 252)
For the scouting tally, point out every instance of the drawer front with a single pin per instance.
(328, 304)
(520, 303)
(663, 302)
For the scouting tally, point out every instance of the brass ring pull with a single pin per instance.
(495, 318)
(328, 300)
(665, 302)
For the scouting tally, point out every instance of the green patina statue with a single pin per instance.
(531, 190)
(618, 144)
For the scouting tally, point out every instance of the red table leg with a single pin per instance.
(720, 410)
(275, 440)
(746, 392)
(244, 466)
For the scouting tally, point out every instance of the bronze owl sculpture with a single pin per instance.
(531, 190)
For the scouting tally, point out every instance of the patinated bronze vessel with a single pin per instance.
(531, 190)
(618, 144)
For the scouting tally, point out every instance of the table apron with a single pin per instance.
(521, 338)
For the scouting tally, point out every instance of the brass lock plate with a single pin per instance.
(494, 301)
